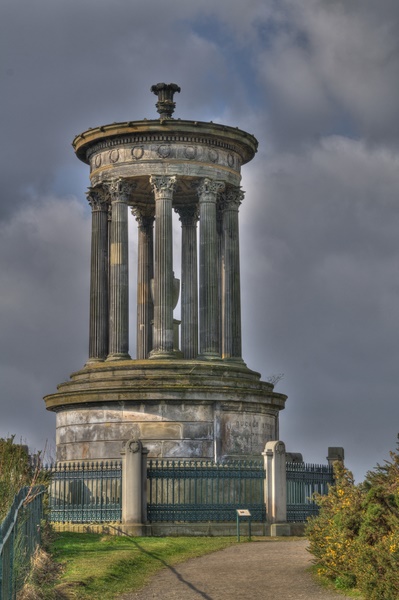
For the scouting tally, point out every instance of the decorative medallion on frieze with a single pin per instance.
(97, 161)
(190, 152)
(138, 152)
(114, 155)
(213, 155)
(164, 150)
(230, 160)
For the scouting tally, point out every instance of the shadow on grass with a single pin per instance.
(175, 572)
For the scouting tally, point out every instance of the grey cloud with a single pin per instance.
(318, 225)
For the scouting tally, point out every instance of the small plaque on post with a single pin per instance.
(243, 512)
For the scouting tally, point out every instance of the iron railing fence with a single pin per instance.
(202, 491)
(19, 538)
(85, 492)
(303, 481)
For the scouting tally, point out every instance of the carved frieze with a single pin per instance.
(213, 155)
(179, 148)
(164, 150)
(114, 155)
(190, 152)
(138, 152)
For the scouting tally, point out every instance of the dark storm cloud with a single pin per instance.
(317, 83)
(325, 288)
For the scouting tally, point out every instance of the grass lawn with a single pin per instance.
(102, 567)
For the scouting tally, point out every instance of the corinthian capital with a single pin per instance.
(120, 190)
(144, 215)
(163, 185)
(97, 199)
(208, 189)
(188, 214)
(232, 199)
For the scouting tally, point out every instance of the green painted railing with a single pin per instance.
(303, 481)
(19, 537)
(85, 492)
(202, 491)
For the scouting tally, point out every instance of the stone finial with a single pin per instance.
(165, 105)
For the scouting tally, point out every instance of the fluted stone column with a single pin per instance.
(120, 192)
(163, 188)
(98, 325)
(145, 273)
(231, 277)
(189, 281)
(209, 313)
(220, 265)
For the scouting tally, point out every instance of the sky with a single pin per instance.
(317, 82)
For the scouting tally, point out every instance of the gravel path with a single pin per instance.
(261, 570)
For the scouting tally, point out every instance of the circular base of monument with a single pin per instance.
(178, 409)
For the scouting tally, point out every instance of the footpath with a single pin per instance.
(260, 570)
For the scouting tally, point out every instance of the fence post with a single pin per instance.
(335, 454)
(132, 486)
(144, 455)
(276, 488)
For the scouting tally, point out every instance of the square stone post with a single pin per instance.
(276, 488)
(335, 454)
(132, 486)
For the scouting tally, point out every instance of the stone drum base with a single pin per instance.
(177, 408)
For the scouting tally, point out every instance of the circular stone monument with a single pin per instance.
(188, 392)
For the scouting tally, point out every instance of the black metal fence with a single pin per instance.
(182, 490)
(19, 537)
(303, 481)
(85, 492)
(194, 491)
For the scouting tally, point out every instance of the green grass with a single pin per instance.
(98, 566)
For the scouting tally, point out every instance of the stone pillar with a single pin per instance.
(231, 312)
(163, 188)
(132, 483)
(189, 281)
(120, 192)
(98, 327)
(220, 266)
(335, 454)
(276, 488)
(145, 273)
(209, 314)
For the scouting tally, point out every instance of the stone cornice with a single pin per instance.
(133, 132)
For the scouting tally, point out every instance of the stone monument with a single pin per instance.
(193, 398)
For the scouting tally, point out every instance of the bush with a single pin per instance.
(15, 472)
(355, 538)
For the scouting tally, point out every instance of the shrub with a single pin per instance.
(355, 538)
(333, 534)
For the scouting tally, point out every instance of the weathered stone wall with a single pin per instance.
(166, 429)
